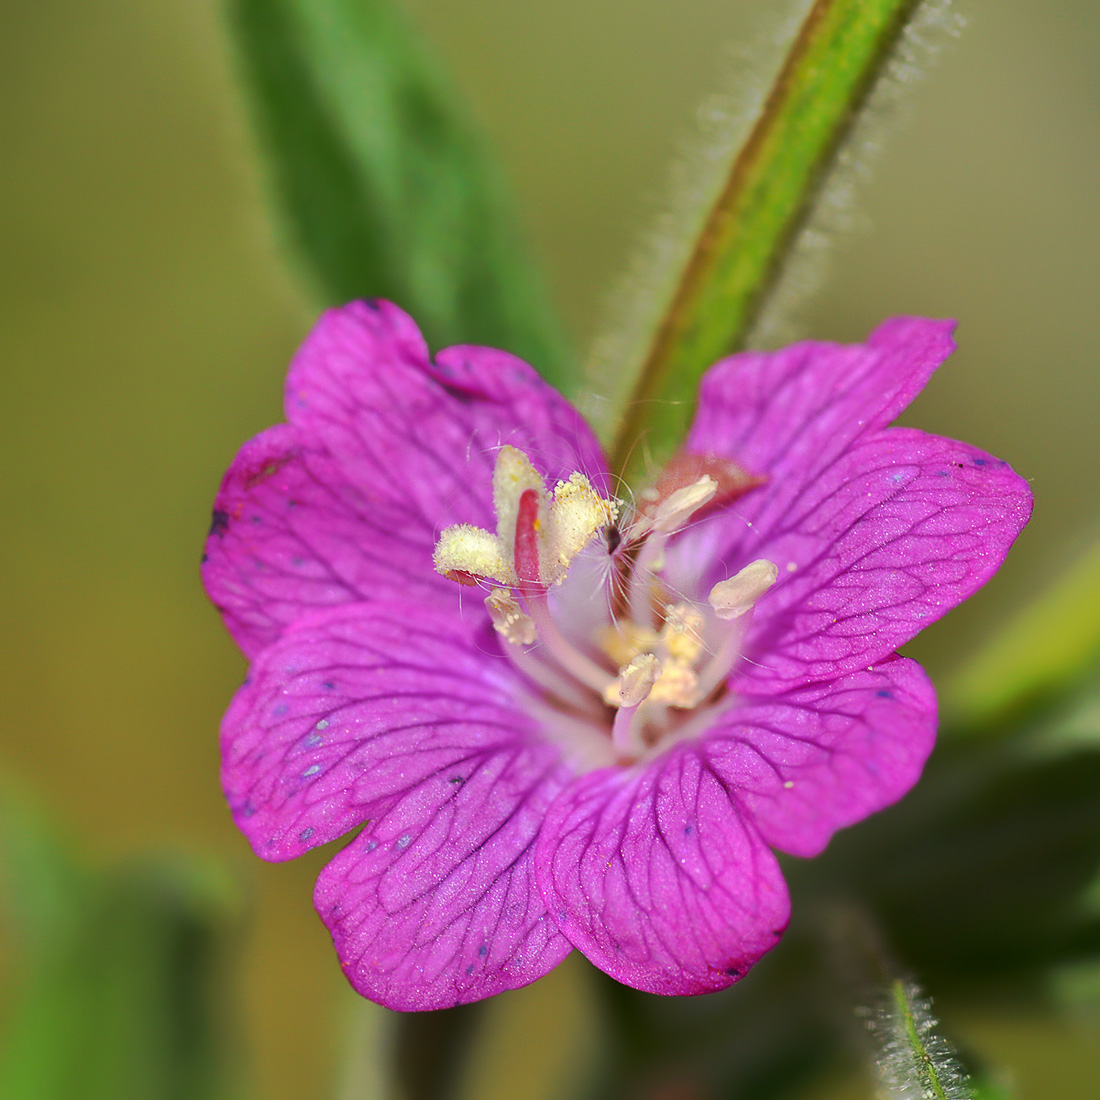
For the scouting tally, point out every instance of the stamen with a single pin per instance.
(559, 647)
(467, 554)
(677, 508)
(577, 512)
(510, 621)
(656, 527)
(517, 628)
(718, 668)
(553, 681)
(635, 684)
(538, 604)
(734, 597)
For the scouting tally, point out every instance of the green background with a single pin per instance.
(147, 316)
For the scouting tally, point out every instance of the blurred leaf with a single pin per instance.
(118, 996)
(982, 870)
(838, 56)
(384, 188)
(1077, 988)
(1048, 647)
(39, 880)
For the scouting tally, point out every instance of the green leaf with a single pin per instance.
(119, 989)
(835, 61)
(384, 187)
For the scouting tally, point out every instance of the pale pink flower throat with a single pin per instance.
(630, 683)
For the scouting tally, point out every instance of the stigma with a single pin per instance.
(539, 533)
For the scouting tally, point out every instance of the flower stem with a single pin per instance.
(835, 61)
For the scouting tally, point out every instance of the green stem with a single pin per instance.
(926, 1066)
(834, 62)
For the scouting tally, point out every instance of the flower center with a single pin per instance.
(634, 677)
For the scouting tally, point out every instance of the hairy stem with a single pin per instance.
(835, 61)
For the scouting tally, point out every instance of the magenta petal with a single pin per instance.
(825, 756)
(393, 715)
(291, 536)
(435, 903)
(356, 705)
(896, 534)
(384, 450)
(425, 435)
(658, 876)
(795, 411)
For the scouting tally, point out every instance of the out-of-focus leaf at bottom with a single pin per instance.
(118, 993)
(981, 871)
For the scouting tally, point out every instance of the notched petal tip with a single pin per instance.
(658, 878)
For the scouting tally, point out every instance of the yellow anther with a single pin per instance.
(467, 550)
(565, 524)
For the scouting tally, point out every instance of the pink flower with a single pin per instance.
(603, 753)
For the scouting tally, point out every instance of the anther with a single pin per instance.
(635, 684)
(733, 597)
(734, 600)
(510, 621)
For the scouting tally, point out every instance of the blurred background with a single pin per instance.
(147, 314)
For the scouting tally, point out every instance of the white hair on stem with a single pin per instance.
(913, 1060)
(834, 215)
(696, 177)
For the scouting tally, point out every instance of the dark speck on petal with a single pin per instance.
(306, 833)
(219, 522)
(882, 693)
